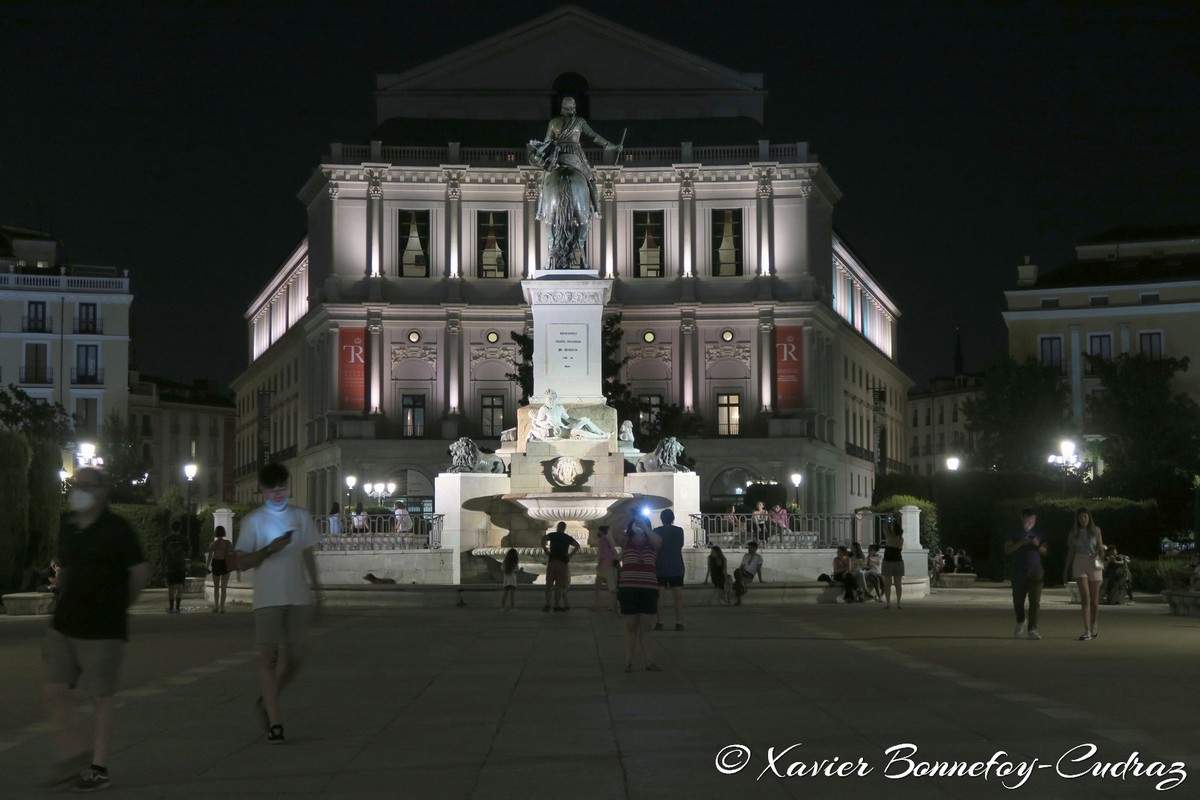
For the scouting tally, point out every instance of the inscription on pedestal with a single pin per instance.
(568, 349)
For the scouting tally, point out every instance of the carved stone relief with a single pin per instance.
(492, 352)
(653, 352)
(421, 352)
(716, 352)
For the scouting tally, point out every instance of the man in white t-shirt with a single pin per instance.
(277, 540)
(751, 565)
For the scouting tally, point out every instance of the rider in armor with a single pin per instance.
(564, 133)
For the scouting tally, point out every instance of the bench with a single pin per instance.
(1183, 603)
(28, 603)
(957, 580)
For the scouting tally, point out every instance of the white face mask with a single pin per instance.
(81, 500)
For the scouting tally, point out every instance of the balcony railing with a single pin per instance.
(516, 156)
(88, 325)
(55, 283)
(86, 377)
(859, 452)
(36, 325)
(378, 532)
(803, 531)
(37, 375)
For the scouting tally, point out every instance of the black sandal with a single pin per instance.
(275, 734)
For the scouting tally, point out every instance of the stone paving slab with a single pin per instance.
(478, 703)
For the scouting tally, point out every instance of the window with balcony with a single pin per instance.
(728, 414)
(492, 236)
(87, 364)
(412, 416)
(414, 244)
(492, 415)
(85, 415)
(1050, 352)
(37, 364)
(1099, 346)
(88, 320)
(36, 320)
(727, 242)
(954, 413)
(647, 244)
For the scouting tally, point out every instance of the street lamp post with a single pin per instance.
(953, 463)
(379, 491)
(797, 479)
(189, 472)
(351, 482)
(1066, 460)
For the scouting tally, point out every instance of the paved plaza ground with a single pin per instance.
(477, 703)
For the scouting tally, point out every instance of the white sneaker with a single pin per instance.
(1020, 629)
(1033, 634)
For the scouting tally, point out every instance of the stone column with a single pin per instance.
(687, 174)
(376, 356)
(533, 245)
(453, 399)
(606, 179)
(374, 176)
(766, 217)
(453, 175)
(766, 359)
(687, 359)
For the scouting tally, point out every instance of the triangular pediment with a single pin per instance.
(498, 77)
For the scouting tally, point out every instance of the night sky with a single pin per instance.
(171, 139)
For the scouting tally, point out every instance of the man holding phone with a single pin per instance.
(278, 540)
(1026, 547)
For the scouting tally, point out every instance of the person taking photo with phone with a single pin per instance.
(278, 541)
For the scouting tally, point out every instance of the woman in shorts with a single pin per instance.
(220, 554)
(1085, 559)
(606, 570)
(637, 589)
(893, 561)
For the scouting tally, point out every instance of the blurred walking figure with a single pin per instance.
(893, 561)
(103, 571)
(510, 568)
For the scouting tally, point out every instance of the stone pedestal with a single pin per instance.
(475, 516)
(568, 319)
(654, 491)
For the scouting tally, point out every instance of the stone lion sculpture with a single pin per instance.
(465, 457)
(664, 458)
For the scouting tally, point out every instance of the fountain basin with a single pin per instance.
(533, 560)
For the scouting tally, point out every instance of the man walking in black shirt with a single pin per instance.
(103, 570)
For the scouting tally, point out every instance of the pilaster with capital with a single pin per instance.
(374, 177)
(607, 178)
(376, 353)
(453, 176)
(687, 353)
(766, 358)
(532, 179)
(687, 175)
(764, 174)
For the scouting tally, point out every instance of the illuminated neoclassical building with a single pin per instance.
(386, 333)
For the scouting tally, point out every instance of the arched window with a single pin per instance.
(571, 84)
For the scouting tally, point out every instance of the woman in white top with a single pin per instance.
(1085, 559)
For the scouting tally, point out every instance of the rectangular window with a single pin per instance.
(1050, 354)
(146, 429)
(1100, 346)
(413, 234)
(647, 244)
(928, 416)
(85, 415)
(1098, 300)
(914, 418)
(727, 241)
(954, 413)
(649, 409)
(492, 409)
(1148, 298)
(941, 414)
(87, 364)
(412, 416)
(1150, 343)
(89, 320)
(492, 235)
(36, 320)
(37, 365)
(1049, 302)
(728, 414)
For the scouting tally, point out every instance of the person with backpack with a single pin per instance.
(174, 566)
